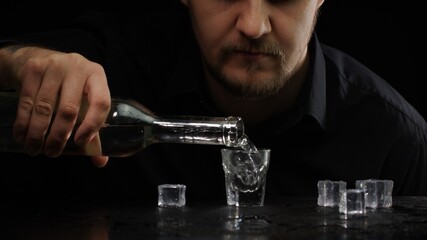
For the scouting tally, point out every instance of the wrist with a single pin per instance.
(9, 44)
(7, 48)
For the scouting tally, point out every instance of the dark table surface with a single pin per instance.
(280, 218)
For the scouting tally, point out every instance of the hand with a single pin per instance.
(54, 82)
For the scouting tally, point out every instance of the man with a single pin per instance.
(323, 114)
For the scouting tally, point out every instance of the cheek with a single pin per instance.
(306, 22)
(208, 43)
(212, 31)
(293, 33)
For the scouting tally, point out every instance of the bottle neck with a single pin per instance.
(199, 130)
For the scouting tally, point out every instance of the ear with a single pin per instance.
(185, 2)
(319, 3)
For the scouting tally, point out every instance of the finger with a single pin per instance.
(43, 109)
(99, 161)
(99, 102)
(94, 149)
(68, 108)
(27, 128)
(32, 74)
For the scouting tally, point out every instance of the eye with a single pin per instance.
(280, 1)
(229, 1)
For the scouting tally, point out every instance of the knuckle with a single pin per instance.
(32, 65)
(68, 111)
(102, 104)
(19, 127)
(34, 139)
(26, 104)
(95, 65)
(92, 126)
(59, 137)
(44, 107)
(96, 70)
(76, 58)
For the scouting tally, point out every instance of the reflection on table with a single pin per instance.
(280, 218)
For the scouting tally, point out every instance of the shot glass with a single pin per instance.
(329, 192)
(171, 195)
(378, 193)
(245, 176)
(352, 202)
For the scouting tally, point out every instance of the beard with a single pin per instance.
(253, 85)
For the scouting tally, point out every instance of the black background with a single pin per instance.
(384, 35)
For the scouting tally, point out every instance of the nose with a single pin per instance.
(253, 19)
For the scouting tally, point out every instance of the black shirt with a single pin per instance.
(347, 123)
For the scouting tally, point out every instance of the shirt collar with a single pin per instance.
(312, 99)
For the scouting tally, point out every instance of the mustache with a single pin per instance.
(260, 46)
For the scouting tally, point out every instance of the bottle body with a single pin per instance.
(130, 128)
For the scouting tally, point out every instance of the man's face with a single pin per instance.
(252, 47)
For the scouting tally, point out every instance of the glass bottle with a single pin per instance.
(130, 128)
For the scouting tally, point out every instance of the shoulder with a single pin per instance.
(360, 88)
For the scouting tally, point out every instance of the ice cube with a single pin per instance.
(378, 193)
(171, 195)
(329, 192)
